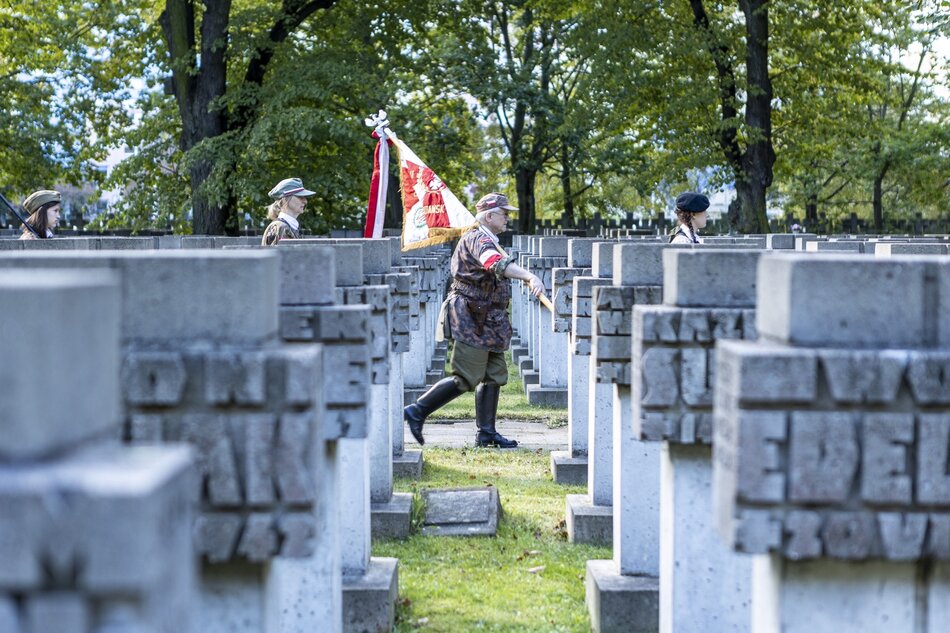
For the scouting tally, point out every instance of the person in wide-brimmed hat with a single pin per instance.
(290, 200)
(691, 214)
(43, 207)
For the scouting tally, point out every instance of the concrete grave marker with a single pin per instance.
(461, 512)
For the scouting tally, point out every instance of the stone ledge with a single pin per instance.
(568, 470)
(369, 599)
(408, 465)
(625, 604)
(589, 524)
(392, 519)
(539, 396)
(411, 394)
(530, 377)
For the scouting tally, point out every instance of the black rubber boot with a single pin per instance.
(486, 409)
(440, 394)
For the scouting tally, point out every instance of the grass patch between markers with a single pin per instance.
(527, 578)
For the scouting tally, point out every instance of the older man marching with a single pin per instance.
(475, 316)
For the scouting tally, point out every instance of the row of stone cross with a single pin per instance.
(197, 434)
(762, 425)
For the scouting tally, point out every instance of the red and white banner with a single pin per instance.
(378, 187)
(431, 212)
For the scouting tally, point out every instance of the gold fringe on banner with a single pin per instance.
(437, 235)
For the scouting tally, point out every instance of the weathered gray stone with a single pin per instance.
(823, 456)
(369, 600)
(845, 246)
(307, 275)
(395, 250)
(621, 604)
(602, 259)
(768, 373)
(540, 396)
(378, 299)
(409, 464)
(780, 241)
(124, 243)
(568, 469)
(461, 512)
(59, 244)
(887, 437)
(933, 459)
(704, 583)
(125, 529)
(197, 241)
(838, 480)
(553, 247)
(580, 251)
(612, 319)
(391, 519)
(588, 523)
(73, 317)
(376, 253)
(720, 278)
(886, 249)
(254, 420)
(878, 293)
(62, 611)
(639, 264)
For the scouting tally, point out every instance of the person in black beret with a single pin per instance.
(691, 215)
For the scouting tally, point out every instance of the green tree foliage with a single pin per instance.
(603, 106)
(57, 89)
(906, 120)
(302, 116)
(502, 53)
(860, 104)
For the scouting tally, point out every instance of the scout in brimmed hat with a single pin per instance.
(475, 316)
(492, 211)
(691, 213)
(493, 201)
(290, 187)
(43, 207)
(290, 200)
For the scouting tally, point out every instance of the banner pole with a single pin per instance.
(546, 303)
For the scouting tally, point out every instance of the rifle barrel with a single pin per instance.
(19, 217)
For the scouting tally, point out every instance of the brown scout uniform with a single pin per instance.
(477, 305)
(276, 231)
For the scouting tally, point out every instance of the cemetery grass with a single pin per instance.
(512, 404)
(527, 578)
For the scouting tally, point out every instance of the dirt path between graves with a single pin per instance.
(459, 433)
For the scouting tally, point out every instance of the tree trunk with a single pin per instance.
(196, 90)
(207, 218)
(524, 185)
(811, 209)
(759, 156)
(568, 219)
(749, 195)
(878, 202)
(200, 88)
